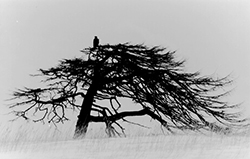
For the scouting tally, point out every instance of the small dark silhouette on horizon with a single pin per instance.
(95, 42)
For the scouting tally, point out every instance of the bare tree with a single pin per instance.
(150, 76)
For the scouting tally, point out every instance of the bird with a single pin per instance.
(95, 42)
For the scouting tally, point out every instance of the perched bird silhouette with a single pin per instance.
(95, 42)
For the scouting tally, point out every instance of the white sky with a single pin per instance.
(213, 35)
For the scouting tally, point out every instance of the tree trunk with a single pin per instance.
(84, 116)
(85, 112)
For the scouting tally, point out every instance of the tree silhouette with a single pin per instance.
(149, 76)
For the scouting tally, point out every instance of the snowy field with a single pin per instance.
(145, 147)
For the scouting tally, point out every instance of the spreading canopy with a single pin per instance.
(150, 76)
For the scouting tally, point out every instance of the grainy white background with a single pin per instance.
(213, 36)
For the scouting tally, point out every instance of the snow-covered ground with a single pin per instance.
(145, 147)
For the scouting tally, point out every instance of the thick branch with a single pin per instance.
(122, 115)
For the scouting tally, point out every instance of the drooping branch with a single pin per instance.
(40, 100)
